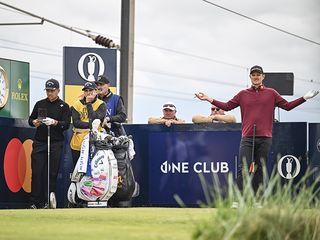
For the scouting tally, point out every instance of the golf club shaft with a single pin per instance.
(48, 166)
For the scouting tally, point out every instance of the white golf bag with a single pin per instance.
(95, 176)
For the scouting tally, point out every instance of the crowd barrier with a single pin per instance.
(168, 161)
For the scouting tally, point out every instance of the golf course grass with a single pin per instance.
(103, 223)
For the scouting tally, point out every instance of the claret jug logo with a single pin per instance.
(93, 61)
(318, 145)
(291, 165)
(17, 165)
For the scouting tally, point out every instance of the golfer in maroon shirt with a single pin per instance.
(257, 105)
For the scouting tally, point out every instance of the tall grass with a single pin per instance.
(289, 211)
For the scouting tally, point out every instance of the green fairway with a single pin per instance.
(106, 223)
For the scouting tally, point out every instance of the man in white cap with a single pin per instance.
(169, 116)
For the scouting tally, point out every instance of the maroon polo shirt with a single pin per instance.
(257, 107)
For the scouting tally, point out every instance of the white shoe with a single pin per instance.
(53, 201)
(235, 205)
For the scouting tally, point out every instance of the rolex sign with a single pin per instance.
(14, 89)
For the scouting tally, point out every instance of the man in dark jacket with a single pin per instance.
(116, 111)
(50, 116)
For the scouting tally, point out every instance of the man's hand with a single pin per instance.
(310, 94)
(96, 124)
(106, 122)
(49, 121)
(90, 97)
(168, 122)
(213, 118)
(203, 97)
(36, 122)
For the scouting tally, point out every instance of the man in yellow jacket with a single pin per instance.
(84, 111)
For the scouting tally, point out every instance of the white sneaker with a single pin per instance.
(235, 205)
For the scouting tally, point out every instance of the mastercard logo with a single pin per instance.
(17, 165)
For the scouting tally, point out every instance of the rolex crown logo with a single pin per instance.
(19, 84)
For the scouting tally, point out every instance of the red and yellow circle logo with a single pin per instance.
(17, 165)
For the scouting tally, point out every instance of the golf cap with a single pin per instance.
(52, 84)
(169, 105)
(89, 85)
(102, 79)
(256, 68)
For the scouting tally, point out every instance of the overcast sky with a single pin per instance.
(181, 47)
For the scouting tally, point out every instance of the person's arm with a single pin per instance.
(224, 118)
(120, 115)
(100, 113)
(178, 121)
(227, 106)
(201, 119)
(33, 118)
(153, 120)
(77, 123)
(284, 104)
(64, 122)
(167, 122)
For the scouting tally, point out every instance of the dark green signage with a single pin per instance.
(17, 102)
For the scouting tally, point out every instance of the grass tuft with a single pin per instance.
(278, 210)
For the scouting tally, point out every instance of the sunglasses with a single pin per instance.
(88, 90)
(215, 109)
(169, 105)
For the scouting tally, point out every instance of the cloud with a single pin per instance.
(195, 46)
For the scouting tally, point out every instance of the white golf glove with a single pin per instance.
(106, 122)
(48, 121)
(95, 124)
(310, 94)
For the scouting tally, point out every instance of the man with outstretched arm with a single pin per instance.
(257, 105)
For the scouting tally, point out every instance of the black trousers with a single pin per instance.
(261, 150)
(75, 157)
(39, 166)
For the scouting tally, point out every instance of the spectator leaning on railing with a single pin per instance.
(217, 116)
(169, 116)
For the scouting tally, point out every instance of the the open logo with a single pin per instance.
(291, 165)
(95, 64)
